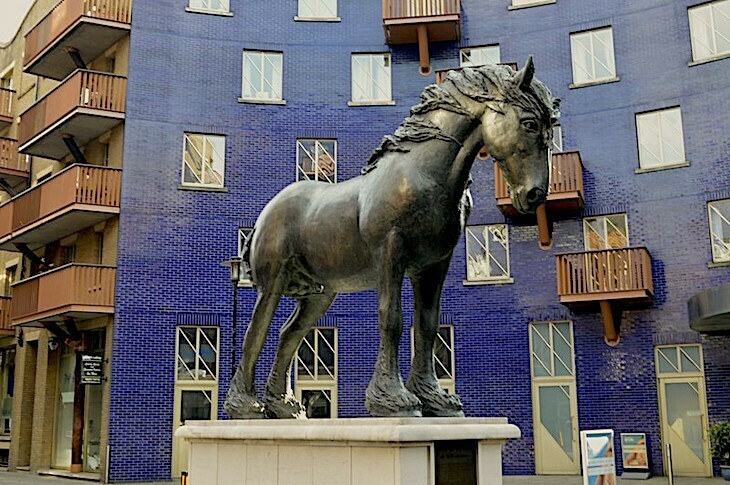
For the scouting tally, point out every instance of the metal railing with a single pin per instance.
(81, 89)
(401, 9)
(604, 271)
(77, 184)
(5, 302)
(70, 285)
(6, 102)
(9, 157)
(566, 175)
(65, 14)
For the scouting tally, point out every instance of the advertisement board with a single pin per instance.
(599, 460)
(634, 456)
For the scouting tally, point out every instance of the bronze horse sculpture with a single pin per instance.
(402, 217)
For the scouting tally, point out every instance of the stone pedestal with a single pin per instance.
(362, 451)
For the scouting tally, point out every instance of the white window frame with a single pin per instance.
(553, 354)
(259, 94)
(678, 350)
(719, 255)
(211, 168)
(471, 238)
(519, 4)
(666, 132)
(466, 53)
(324, 174)
(557, 145)
(321, 13)
(244, 278)
(195, 377)
(593, 36)
(713, 8)
(370, 98)
(606, 220)
(206, 6)
(317, 384)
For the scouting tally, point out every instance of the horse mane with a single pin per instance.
(491, 83)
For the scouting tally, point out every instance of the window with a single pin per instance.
(487, 253)
(262, 76)
(661, 142)
(197, 354)
(245, 274)
(7, 384)
(605, 232)
(720, 230)
(203, 160)
(317, 160)
(592, 53)
(679, 359)
(443, 357)
(478, 56)
(371, 79)
(315, 371)
(210, 5)
(9, 278)
(557, 146)
(6, 79)
(709, 26)
(551, 345)
(530, 3)
(317, 9)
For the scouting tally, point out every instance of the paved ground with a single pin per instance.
(23, 478)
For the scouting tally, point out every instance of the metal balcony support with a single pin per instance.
(611, 315)
(39, 262)
(7, 188)
(423, 55)
(70, 143)
(56, 330)
(544, 229)
(73, 52)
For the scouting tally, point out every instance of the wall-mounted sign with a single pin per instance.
(91, 369)
(634, 456)
(599, 461)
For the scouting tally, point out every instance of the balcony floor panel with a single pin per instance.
(556, 202)
(84, 124)
(627, 297)
(13, 177)
(5, 121)
(89, 35)
(405, 31)
(77, 312)
(57, 226)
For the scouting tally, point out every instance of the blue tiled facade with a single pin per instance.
(185, 76)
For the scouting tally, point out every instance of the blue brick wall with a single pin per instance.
(185, 75)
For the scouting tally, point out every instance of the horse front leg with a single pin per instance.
(386, 395)
(423, 382)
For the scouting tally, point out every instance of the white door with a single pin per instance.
(554, 403)
(683, 409)
(190, 404)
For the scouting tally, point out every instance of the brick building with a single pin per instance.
(228, 102)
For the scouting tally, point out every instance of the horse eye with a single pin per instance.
(530, 125)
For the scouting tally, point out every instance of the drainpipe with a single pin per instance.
(611, 316)
(544, 238)
(423, 54)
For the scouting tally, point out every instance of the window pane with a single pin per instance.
(326, 353)
(478, 56)
(720, 229)
(203, 159)
(689, 356)
(318, 8)
(710, 29)
(541, 351)
(208, 354)
(592, 54)
(262, 75)
(371, 77)
(317, 403)
(195, 405)
(487, 252)
(305, 357)
(557, 146)
(555, 415)
(186, 355)
(563, 349)
(443, 350)
(667, 360)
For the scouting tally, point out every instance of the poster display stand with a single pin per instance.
(599, 461)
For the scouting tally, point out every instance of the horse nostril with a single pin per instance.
(535, 195)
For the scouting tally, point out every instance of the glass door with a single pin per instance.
(64, 411)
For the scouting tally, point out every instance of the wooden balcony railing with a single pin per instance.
(5, 302)
(9, 157)
(6, 105)
(87, 185)
(609, 274)
(409, 9)
(78, 288)
(566, 182)
(65, 15)
(82, 89)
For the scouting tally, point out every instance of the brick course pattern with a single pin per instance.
(185, 76)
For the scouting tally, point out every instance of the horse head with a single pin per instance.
(517, 130)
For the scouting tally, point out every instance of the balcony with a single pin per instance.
(76, 198)
(610, 279)
(78, 291)
(6, 107)
(566, 185)
(14, 168)
(89, 27)
(420, 22)
(5, 328)
(84, 106)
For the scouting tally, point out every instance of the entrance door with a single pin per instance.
(683, 409)
(196, 385)
(554, 404)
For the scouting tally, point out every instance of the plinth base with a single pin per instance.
(362, 451)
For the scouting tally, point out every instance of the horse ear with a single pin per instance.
(523, 78)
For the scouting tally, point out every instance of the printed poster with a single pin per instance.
(633, 451)
(599, 461)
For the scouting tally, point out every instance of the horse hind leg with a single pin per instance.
(309, 309)
(241, 401)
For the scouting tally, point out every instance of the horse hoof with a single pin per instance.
(436, 402)
(283, 407)
(243, 406)
(381, 402)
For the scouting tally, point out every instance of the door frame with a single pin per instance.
(179, 463)
(553, 382)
